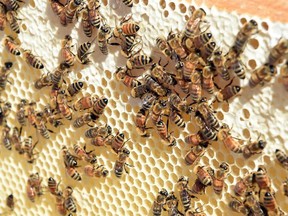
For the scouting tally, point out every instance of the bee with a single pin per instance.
(82, 120)
(31, 114)
(117, 142)
(99, 140)
(53, 186)
(31, 193)
(12, 4)
(4, 111)
(148, 100)
(154, 86)
(227, 92)
(174, 42)
(83, 52)
(42, 128)
(128, 3)
(43, 81)
(21, 112)
(193, 156)
(73, 173)
(103, 131)
(16, 140)
(207, 50)
(207, 113)
(4, 73)
(253, 148)
(138, 61)
(70, 204)
(219, 176)
(130, 28)
(11, 45)
(237, 66)
(85, 102)
(95, 16)
(262, 179)
(230, 143)
(238, 206)
(250, 28)
(159, 202)
(57, 7)
(158, 73)
(278, 52)
(63, 106)
(81, 152)
(86, 23)
(269, 202)
(185, 196)
(6, 140)
(218, 61)
(69, 159)
(252, 202)
(131, 45)
(66, 53)
(98, 108)
(162, 44)
(284, 75)
(179, 104)
(32, 60)
(13, 21)
(50, 117)
(3, 19)
(120, 164)
(71, 8)
(35, 182)
(285, 187)
(192, 26)
(207, 79)
(95, 170)
(75, 88)
(91, 158)
(195, 87)
(56, 78)
(198, 139)
(103, 34)
(177, 118)
(172, 204)
(127, 80)
(194, 212)
(60, 199)
(262, 74)
(282, 158)
(162, 130)
(198, 187)
(139, 91)
(158, 109)
(10, 202)
(29, 148)
(201, 39)
(243, 185)
(203, 174)
(140, 121)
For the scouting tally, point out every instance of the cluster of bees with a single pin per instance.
(254, 195)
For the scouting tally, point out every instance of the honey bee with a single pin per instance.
(158, 73)
(131, 45)
(73, 173)
(253, 148)
(11, 45)
(238, 206)
(230, 143)
(237, 66)
(262, 75)
(31, 114)
(184, 192)
(95, 170)
(269, 202)
(69, 159)
(194, 212)
(184, 85)
(66, 53)
(4, 111)
(95, 17)
(207, 79)
(284, 75)
(83, 52)
(32, 60)
(91, 158)
(194, 155)
(29, 148)
(282, 158)
(86, 23)
(127, 80)
(120, 164)
(174, 42)
(195, 87)
(140, 121)
(218, 61)
(252, 202)
(42, 128)
(6, 140)
(130, 28)
(75, 88)
(103, 131)
(63, 106)
(198, 187)
(192, 26)
(138, 61)
(250, 28)
(70, 204)
(128, 3)
(227, 92)
(3, 19)
(30, 191)
(43, 81)
(172, 205)
(285, 187)
(243, 185)
(203, 174)
(53, 186)
(201, 39)
(82, 120)
(98, 108)
(20, 113)
(57, 7)
(16, 140)
(81, 152)
(4, 73)
(60, 199)
(219, 176)
(262, 179)
(207, 50)
(13, 21)
(71, 8)
(103, 34)
(154, 86)
(100, 141)
(177, 118)
(117, 142)
(278, 52)
(162, 44)
(179, 104)
(12, 4)
(10, 202)
(35, 182)
(196, 139)
(162, 130)
(159, 202)
(139, 91)
(158, 109)
(85, 102)
(53, 119)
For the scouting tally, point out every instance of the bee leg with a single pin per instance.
(51, 131)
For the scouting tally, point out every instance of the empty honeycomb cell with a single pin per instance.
(243, 20)
(252, 63)
(166, 13)
(246, 133)
(254, 43)
(182, 8)
(265, 25)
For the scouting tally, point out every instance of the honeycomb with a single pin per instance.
(262, 110)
